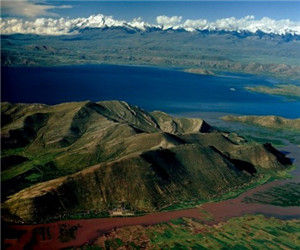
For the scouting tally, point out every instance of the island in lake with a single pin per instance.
(271, 121)
(288, 90)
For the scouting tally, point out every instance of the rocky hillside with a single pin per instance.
(85, 156)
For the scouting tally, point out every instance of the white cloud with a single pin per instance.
(28, 8)
(248, 23)
(192, 25)
(65, 26)
(168, 22)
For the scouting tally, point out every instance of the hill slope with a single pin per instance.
(84, 156)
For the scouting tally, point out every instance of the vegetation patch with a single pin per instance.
(284, 196)
(247, 232)
(67, 233)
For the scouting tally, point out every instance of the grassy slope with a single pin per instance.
(285, 195)
(82, 134)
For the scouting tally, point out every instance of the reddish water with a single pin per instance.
(47, 236)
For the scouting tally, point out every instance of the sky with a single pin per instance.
(281, 16)
(149, 10)
(209, 10)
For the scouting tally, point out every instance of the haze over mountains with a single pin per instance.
(81, 157)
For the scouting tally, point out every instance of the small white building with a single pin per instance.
(120, 212)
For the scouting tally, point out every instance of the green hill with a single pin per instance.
(85, 156)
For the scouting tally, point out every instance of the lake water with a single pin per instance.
(152, 88)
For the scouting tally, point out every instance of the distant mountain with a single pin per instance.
(87, 157)
(217, 51)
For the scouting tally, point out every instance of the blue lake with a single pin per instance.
(151, 88)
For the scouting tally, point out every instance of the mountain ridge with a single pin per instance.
(86, 156)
